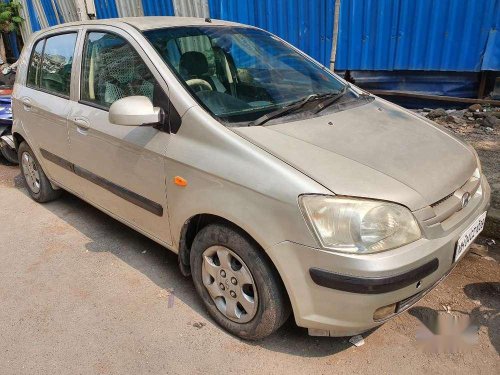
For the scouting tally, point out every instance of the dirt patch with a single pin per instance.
(75, 311)
(8, 175)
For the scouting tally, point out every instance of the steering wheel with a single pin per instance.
(200, 83)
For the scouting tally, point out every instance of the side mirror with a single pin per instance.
(134, 111)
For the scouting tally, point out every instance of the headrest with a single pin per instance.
(193, 63)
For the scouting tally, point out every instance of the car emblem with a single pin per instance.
(465, 199)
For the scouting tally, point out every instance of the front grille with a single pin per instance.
(442, 200)
(452, 203)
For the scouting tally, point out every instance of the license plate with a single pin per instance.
(469, 235)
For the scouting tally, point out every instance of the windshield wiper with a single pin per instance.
(329, 101)
(290, 107)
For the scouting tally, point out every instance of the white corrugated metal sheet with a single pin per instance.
(26, 30)
(68, 10)
(129, 8)
(191, 8)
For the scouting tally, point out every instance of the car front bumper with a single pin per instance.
(336, 294)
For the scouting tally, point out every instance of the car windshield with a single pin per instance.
(239, 73)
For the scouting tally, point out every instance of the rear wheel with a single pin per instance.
(9, 154)
(236, 282)
(36, 181)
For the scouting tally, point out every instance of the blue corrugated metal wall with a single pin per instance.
(443, 35)
(49, 12)
(106, 8)
(434, 35)
(158, 7)
(13, 44)
(491, 58)
(35, 23)
(307, 24)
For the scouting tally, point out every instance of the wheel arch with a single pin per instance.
(196, 223)
(191, 228)
(18, 139)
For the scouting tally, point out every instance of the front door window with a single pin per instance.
(112, 70)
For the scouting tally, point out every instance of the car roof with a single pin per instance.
(152, 22)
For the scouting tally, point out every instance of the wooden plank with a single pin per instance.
(443, 98)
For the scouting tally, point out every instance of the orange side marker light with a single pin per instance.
(178, 180)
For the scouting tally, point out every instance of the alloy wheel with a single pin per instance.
(30, 172)
(230, 284)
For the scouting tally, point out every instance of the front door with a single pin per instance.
(121, 168)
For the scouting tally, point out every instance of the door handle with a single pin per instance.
(26, 103)
(82, 125)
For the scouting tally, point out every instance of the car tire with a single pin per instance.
(9, 154)
(36, 182)
(227, 263)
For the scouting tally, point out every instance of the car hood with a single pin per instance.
(377, 150)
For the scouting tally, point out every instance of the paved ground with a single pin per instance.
(82, 293)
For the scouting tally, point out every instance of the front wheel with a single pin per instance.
(238, 286)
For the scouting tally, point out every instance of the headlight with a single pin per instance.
(359, 225)
(477, 172)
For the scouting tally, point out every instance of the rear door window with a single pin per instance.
(35, 62)
(57, 62)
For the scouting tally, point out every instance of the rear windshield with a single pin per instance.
(240, 73)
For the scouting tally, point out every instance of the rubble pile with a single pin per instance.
(475, 118)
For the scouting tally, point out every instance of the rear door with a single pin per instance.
(121, 168)
(43, 103)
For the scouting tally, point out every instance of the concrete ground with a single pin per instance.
(82, 293)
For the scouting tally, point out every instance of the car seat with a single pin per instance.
(122, 74)
(194, 64)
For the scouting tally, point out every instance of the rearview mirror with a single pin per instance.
(134, 111)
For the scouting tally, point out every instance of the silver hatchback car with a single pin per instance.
(281, 187)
